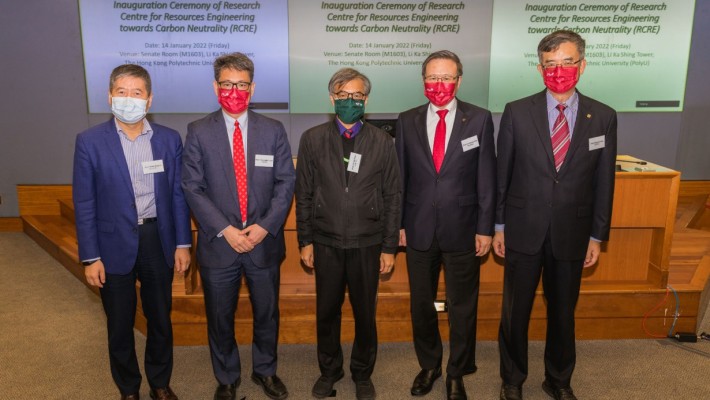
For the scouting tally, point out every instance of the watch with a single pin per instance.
(87, 263)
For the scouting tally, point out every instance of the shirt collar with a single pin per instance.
(552, 103)
(147, 130)
(229, 120)
(355, 129)
(451, 107)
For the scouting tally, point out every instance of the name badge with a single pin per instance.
(596, 143)
(152, 167)
(261, 160)
(354, 163)
(469, 143)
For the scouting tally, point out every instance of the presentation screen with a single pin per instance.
(387, 41)
(637, 52)
(177, 41)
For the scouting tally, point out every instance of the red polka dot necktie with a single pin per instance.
(240, 170)
(560, 137)
(439, 140)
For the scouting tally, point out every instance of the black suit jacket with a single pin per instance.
(459, 201)
(533, 197)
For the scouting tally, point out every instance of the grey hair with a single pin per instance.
(345, 75)
(553, 41)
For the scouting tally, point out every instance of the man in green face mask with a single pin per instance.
(347, 211)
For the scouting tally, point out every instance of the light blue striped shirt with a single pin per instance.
(572, 105)
(137, 152)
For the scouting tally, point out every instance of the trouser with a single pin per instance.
(119, 300)
(461, 274)
(359, 271)
(561, 282)
(221, 290)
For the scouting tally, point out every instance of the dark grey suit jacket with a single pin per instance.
(533, 197)
(459, 201)
(210, 187)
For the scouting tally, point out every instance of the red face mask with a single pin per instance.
(439, 93)
(560, 80)
(234, 101)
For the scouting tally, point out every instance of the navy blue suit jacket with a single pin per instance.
(211, 188)
(458, 202)
(104, 202)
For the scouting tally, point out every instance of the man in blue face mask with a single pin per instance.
(132, 223)
(347, 211)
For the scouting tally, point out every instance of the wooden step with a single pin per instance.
(606, 309)
(66, 209)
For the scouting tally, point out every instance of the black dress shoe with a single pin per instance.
(425, 381)
(163, 394)
(455, 389)
(324, 385)
(511, 392)
(558, 393)
(272, 385)
(134, 396)
(364, 390)
(227, 392)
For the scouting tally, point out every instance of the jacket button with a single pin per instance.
(556, 181)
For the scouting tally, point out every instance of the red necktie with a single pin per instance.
(439, 140)
(240, 170)
(348, 133)
(560, 137)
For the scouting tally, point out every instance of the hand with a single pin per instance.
(95, 274)
(237, 240)
(483, 245)
(592, 253)
(386, 263)
(307, 255)
(255, 234)
(182, 259)
(402, 238)
(499, 244)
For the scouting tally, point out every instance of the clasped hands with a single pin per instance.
(244, 240)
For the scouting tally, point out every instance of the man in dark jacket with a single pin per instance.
(347, 210)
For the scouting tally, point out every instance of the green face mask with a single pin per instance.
(349, 110)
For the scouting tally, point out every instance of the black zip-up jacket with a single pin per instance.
(363, 212)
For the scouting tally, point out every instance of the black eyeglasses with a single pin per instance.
(229, 85)
(342, 95)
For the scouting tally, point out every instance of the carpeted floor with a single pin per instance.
(53, 346)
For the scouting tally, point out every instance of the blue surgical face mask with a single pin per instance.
(128, 110)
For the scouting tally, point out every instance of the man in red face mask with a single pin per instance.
(238, 179)
(447, 162)
(556, 157)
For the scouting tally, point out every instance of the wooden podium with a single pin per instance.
(629, 279)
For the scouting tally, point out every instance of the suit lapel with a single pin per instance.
(158, 149)
(221, 146)
(421, 132)
(462, 117)
(113, 143)
(538, 113)
(253, 129)
(580, 133)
